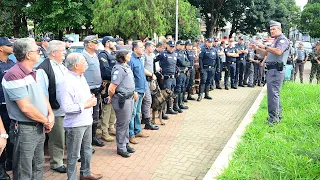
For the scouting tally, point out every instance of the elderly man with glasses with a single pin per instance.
(51, 74)
(29, 110)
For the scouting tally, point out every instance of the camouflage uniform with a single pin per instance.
(315, 68)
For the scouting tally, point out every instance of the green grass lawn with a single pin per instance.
(289, 150)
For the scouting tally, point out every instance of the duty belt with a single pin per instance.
(273, 66)
(169, 76)
(127, 95)
(241, 59)
(232, 62)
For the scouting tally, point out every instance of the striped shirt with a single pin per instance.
(20, 83)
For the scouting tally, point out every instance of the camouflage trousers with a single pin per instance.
(315, 70)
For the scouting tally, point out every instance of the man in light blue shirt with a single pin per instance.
(50, 75)
(77, 103)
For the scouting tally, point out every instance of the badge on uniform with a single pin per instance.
(115, 75)
(103, 59)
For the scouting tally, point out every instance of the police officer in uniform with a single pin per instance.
(208, 61)
(168, 62)
(183, 66)
(218, 74)
(315, 64)
(258, 68)
(277, 56)
(300, 60)
(248, 77)
(107, 60)
(231, 55)
(122, 96)
(93, 77)
(241, 61)
(5, 64)
(190, 80)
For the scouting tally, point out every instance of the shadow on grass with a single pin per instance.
(289, 150)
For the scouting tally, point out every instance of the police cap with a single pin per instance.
(69, 39)
(107, 39)
(215, 39)
(274, 23)
(188, 42)
(171, 43)
(91, 39)
(4, 41)
(209, 40)
(241, 38)
(181, 42)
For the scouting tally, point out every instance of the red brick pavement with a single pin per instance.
(184, 148)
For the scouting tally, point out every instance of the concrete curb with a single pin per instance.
(225, 156)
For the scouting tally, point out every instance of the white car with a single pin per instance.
(78, 47)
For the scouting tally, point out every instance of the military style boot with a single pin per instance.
(190, 96)
(200, 93)
(180, 101)
(149, 125)
(206, 96)
(184, 98)
(169, 107)
(176, 104)
(164, 116)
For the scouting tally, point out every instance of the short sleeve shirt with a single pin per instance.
(19, 83)
(123, 77)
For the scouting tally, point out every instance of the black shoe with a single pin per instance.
(241, 85)
(164, 116)
(191, 98)
(3, 174)
(207, 97)
(226, 88)
(150, 126)
(130, 149)
(199, 98)
(185, 99)
(93, 151)
(171, 111)
(177, 109)
(61, 169)
(251, 86)
(181, 106)
(124, 154)
(218, 87)
(245, 83)
(234, 87)
(97, 142)
(8, 165)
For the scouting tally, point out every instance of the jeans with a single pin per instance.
(135, 124)
(78, 145)
(28, 154)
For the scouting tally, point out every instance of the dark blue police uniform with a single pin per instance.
(168, 62)
(183, 64)
(218, 74)
(190, 80)
(240, 65)
(208, 61)
(8, 151)
(231, 67)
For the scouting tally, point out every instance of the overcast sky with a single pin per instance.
(301, 3)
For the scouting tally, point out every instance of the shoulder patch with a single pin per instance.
(114, 76)
(103, 59)
(282, 41)
(116, 72)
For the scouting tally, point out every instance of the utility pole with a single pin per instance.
(177, 11)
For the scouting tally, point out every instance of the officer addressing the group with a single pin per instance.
(277, 56)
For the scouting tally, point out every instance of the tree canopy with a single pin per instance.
(142, 18)
(310, 19)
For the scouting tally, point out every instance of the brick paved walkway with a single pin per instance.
(184, 148)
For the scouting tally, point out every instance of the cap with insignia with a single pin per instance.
(274, 23)
(91, 39)
(209, 40)
(171, 43)
(107, 39)
(215, 39)
(241, 38)
(180, 42)
(188, 42)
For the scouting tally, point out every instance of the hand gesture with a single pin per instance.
(91, 102)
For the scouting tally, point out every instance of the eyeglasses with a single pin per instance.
(69, 41)
(38, 50)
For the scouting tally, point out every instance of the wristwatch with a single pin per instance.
(4, 136)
